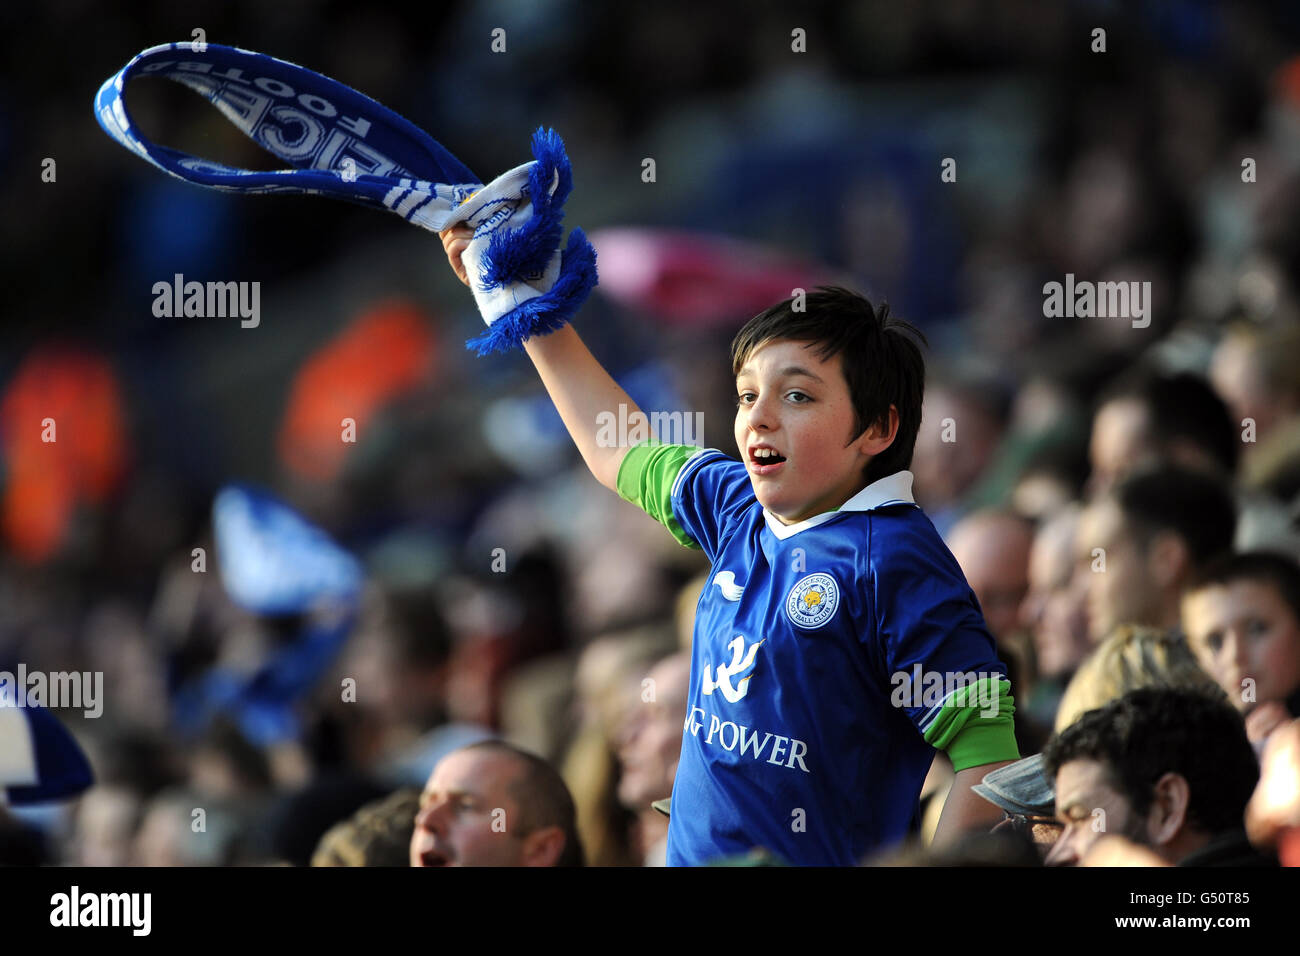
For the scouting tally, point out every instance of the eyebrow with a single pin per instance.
(1067, 812)
(784, 373)
(427, 795)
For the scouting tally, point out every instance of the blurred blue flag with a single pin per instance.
(273, 562)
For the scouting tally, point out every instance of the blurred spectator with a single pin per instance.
(1257, 373)
(183, 828)
(651, 747)
(379, 834)
(537, 712)
(1273, 469)
(104, 826)
(1147, 418)
(295, 824)
(608, 684)
(961, 425)
(498, 622)
(1050, 481)
(491, 804)
(1055, 611)
(1273, 814)
(1132, 657)
(130, 769)
(1167, 769)
(225, 766)
(992, 548)
(1242, 617)
(1141, 542)
(399, 657)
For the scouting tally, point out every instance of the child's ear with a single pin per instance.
(879, 436)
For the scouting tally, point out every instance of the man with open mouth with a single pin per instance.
(491, 804)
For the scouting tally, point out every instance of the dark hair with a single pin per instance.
(1182, 407)
(542, 799)
(1195, 506)
(1279, 571)
(882, 364)
(1157, 730)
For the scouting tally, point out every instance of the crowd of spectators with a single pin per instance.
(1124, 499)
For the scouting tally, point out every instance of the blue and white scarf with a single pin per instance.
(343, 144)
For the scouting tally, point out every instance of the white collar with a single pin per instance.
(890, 490)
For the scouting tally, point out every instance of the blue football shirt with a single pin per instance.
(819, 661)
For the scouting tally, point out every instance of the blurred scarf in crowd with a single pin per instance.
(276, 565)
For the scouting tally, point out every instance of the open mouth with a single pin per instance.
(433, 858)
(764, 460)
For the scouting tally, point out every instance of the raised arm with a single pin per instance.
(578, 384)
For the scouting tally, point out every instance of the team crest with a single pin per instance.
(812, 601)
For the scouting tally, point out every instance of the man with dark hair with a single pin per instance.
(1148, 417)
(1242, 619)
(491, 804)
(1168, 769)
(1140, 543)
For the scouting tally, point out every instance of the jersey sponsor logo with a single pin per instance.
(726, 582)
(812, 601)
(741, 661)
(778, 749)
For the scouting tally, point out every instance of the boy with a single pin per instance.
(830, 592)
(1242, 619)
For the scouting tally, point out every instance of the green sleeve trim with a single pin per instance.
(646, 478)
(976, 725)
(982, 743)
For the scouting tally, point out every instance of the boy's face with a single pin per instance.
(1244, 629)
(791, 401)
